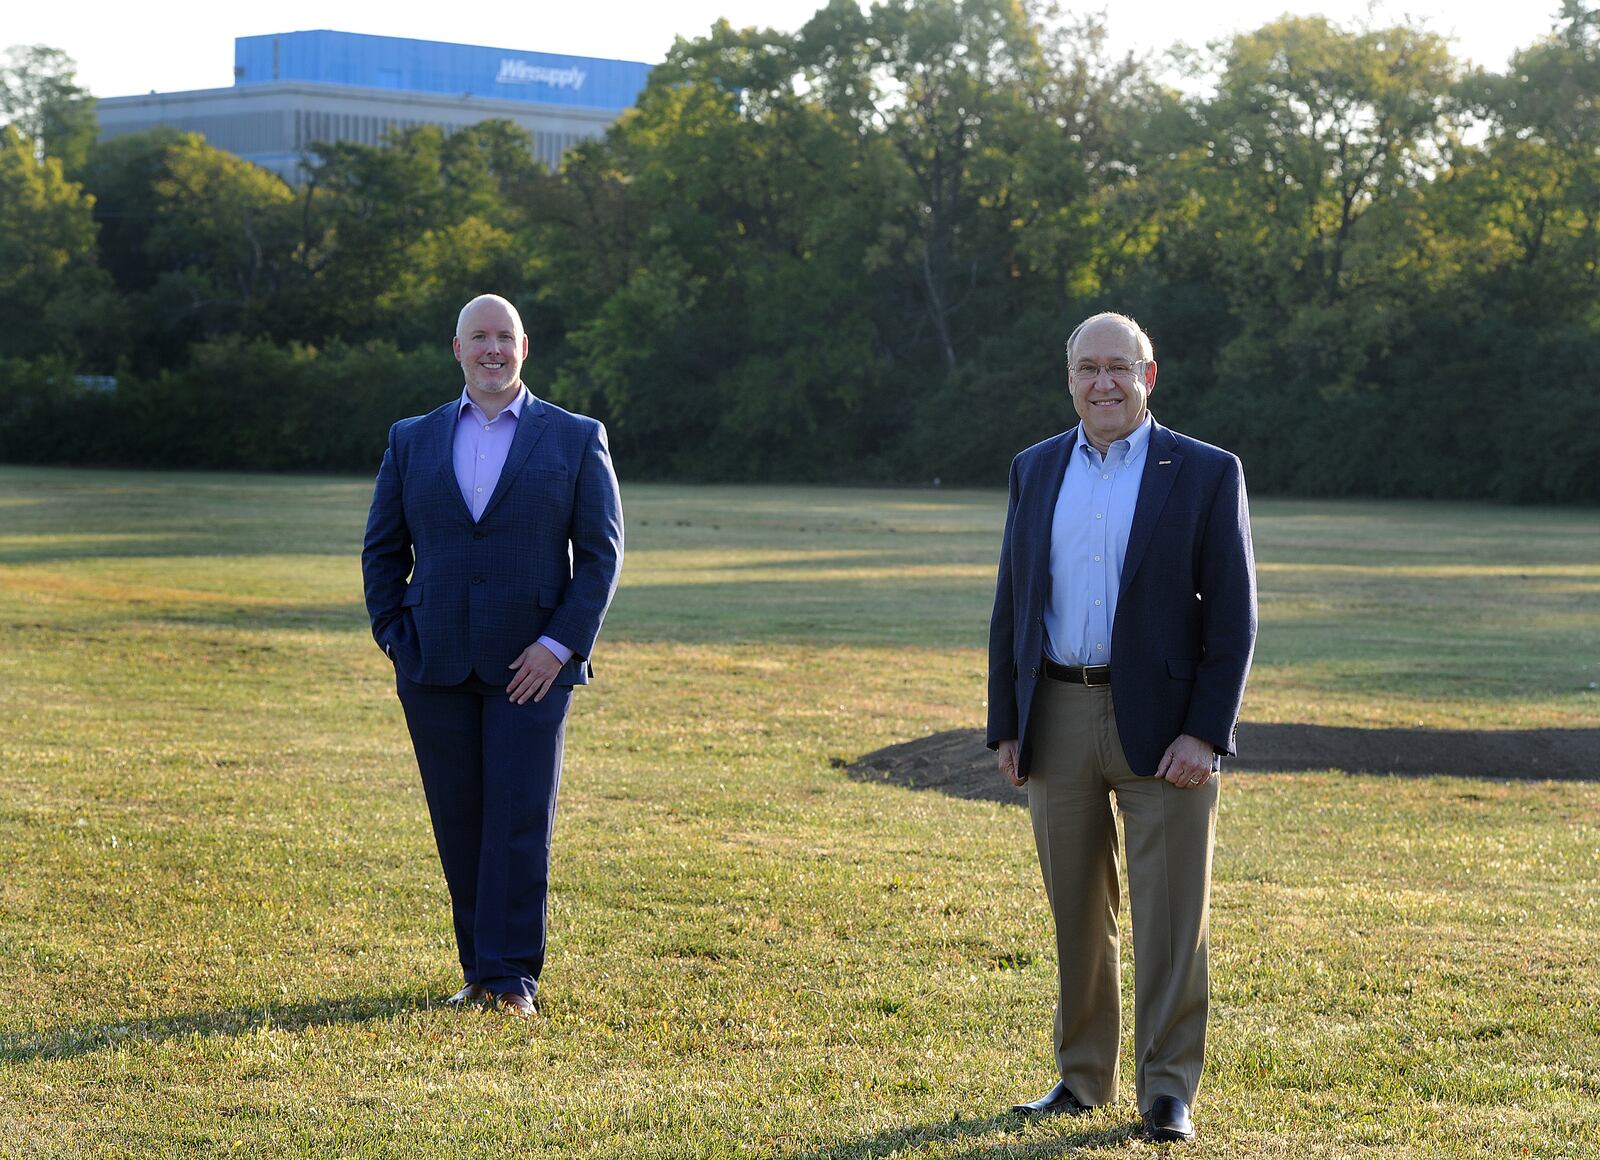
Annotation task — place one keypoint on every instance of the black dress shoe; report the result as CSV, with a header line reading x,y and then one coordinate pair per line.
x,y
467,996
1058,1101
1168,1122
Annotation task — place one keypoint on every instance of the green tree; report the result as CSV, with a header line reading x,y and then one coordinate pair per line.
x,y
41,99
717,320
218,234
1523,208
808,232
122,173
1314,158
958,90
198,240
1314,133
46,254
390,239
490,173
358,214
1535,180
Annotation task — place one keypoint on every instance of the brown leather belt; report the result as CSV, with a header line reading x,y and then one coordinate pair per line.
x,y
1078,674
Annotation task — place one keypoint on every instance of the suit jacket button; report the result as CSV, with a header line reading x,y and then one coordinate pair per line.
x,y
477,535
1034,672
477,579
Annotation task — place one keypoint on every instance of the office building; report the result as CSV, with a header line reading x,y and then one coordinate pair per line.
x,y
292,90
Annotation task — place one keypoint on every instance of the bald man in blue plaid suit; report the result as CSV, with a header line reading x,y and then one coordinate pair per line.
x,y
492,552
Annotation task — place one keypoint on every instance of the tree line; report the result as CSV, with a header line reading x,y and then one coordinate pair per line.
x,y
854,252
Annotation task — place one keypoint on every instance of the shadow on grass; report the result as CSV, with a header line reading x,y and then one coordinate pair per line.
x,y
1055,1137
88,1038
957,763
106,621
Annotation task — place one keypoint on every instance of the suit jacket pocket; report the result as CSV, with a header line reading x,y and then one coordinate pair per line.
x,y
413,597
554,475
1180,670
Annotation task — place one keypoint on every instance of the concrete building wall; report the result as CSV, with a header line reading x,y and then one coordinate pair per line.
x,y
275,124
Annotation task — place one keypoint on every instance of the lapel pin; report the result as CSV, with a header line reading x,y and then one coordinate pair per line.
x,y
1163,463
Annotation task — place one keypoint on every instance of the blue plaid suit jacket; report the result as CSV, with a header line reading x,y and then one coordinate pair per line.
x,y
449,598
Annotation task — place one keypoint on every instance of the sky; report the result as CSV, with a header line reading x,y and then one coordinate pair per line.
x,y
124,48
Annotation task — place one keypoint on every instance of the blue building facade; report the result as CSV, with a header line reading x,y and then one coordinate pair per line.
x,y
295,92
422,66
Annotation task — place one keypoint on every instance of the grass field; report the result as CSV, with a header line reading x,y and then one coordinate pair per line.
x,y
223,928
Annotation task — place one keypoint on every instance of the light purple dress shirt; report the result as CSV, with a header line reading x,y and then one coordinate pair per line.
x,y
1088,539
480,450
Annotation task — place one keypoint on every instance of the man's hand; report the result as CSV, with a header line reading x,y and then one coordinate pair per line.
x,y
536,668
1007,753
1187,763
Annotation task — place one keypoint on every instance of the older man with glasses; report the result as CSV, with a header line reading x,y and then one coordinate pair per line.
x,y
1124,622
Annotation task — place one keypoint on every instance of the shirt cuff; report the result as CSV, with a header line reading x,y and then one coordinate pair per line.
x,y
563,653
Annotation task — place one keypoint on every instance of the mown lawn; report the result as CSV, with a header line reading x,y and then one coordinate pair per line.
x,y
223,928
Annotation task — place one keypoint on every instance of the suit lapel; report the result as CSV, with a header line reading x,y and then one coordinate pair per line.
x,y
530,426
441,443
1161,464
1052,471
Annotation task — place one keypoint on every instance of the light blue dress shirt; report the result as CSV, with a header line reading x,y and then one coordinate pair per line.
x,y
1088,539
480,450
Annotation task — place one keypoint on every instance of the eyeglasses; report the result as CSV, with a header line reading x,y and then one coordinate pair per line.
x,y
1120,372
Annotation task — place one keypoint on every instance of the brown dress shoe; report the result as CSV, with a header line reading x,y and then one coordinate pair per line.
x,y
469,995
515,1004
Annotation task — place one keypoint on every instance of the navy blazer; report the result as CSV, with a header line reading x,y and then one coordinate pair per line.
x,y
1185,626
542,560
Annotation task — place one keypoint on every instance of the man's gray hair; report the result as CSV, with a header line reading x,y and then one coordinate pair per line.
x,y
1147,352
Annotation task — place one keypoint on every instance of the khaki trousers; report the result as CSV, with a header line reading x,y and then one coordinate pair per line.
x,y
1076,767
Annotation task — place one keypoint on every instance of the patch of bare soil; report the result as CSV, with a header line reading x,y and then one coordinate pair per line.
x,y
957,763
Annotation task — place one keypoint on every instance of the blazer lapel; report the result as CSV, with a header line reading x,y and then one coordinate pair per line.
x,y
1052,471
530,426
441,445
1161,464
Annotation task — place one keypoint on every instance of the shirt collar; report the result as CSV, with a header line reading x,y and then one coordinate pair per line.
x,y
1136,441
515,406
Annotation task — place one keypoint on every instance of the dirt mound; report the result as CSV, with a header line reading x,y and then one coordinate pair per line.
x,y
957,763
